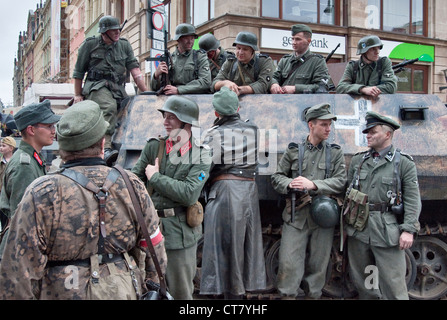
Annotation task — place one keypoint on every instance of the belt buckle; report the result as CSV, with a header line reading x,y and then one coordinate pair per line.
x,y
165,213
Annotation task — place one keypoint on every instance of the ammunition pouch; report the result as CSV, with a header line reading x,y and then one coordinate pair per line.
x,y
194,215
356,209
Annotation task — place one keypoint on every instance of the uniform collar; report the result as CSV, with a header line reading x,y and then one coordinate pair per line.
x,y
183,150
311,147
387,153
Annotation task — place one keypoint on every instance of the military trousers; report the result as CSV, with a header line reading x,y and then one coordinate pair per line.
x,y
180,272
109,107
296,264
377,272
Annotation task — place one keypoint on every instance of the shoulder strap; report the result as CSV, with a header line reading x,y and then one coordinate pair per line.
x,y
300,159
396,178
143,227
160,157
328,160
196,65
355,71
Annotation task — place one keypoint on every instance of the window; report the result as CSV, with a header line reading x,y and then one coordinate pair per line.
x,y
403,16
413,79
199,11
306,11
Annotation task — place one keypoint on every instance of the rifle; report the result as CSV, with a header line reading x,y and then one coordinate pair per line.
x,y
122,26
332,53
166,57
400,67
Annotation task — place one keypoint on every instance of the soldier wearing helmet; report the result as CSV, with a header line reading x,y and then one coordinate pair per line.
x,y
174,169
317,169
301,71
248,72
216,55
190,71
107,60
371,75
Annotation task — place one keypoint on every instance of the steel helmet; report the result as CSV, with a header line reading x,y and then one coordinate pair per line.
x,y
247,39
325,211
185,109
208,42
367,43
185,29
108,23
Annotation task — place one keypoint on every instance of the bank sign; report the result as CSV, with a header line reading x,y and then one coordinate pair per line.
x,y
321,43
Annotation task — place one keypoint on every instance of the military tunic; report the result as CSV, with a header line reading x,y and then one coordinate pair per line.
x,y
178,184
189,76
382,231
296,235
216,65
307,78
368,76
260,65
58,221
233,256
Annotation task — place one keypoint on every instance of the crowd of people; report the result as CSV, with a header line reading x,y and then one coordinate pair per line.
x,y
74,233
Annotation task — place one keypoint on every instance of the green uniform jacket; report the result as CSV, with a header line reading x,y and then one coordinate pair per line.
x,y
261,85
223,55
179,183
107,63
307,77
382,230
368,76
182,73
314,168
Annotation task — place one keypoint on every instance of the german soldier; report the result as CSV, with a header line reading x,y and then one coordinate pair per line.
x,y
190,71
36,125
301,71
80,244
317,169
106,60
216,56
372,75
175,169
248,72
384,184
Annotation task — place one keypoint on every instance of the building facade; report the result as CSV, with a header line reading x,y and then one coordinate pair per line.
x,y
409,29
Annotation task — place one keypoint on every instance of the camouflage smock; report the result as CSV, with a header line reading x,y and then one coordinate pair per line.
x,y
58,220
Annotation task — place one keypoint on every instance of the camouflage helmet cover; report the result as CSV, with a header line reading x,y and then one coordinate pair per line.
x,y
367,43
185,29
208,42
247,39
325,211
185,109
108,23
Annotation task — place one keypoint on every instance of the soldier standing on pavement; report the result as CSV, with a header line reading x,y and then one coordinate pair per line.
x,y
7,148
319,168
232,259
372,75
216,56
74,244
175,169
106,60
190,71
384,182
248,72
301,71
36,125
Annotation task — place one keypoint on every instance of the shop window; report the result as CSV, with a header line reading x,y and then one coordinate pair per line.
x,y
403,16
306,11
413,79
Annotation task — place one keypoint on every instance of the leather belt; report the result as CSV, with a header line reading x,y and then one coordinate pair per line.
x,y
106,258
163,213
229,176
382,207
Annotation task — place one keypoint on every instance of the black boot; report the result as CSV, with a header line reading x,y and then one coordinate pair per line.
x,y
110,156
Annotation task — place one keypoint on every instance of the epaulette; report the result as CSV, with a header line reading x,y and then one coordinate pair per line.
x,y
335,146
25,158
407,155
152,138
361,152
264,55
293,145
231,57
90,38
247,120
124,39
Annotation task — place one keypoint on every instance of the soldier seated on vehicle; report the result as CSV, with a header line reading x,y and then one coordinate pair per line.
x,y
371,75
249,72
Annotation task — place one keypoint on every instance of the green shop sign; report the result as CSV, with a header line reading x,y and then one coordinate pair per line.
x,y
408,51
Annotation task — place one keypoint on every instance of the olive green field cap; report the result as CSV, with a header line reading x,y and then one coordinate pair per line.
x,y
225,102
367,43
107,23
81,126
185,109
373,119
297,28
208,42
185,29
35,113
320,112
246,38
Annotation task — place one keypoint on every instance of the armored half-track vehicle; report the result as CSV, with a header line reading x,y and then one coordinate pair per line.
x,y
423,135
